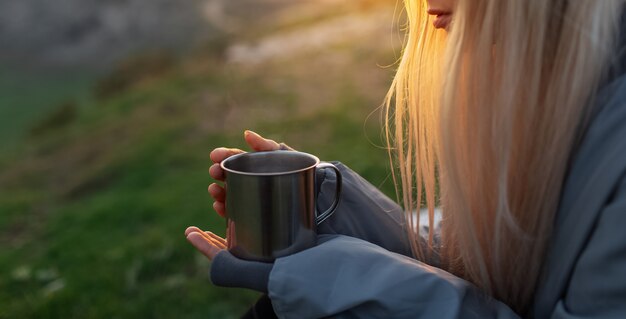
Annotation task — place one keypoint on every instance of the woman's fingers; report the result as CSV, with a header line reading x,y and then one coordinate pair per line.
x,y
217,156
217,192
220,208
216,172
210,236
221,153
204,245
192,229
217,239
258,143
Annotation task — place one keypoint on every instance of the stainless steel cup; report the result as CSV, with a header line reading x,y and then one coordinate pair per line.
x,y
270,203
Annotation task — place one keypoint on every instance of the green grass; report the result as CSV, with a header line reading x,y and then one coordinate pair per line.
x,y
25,95
92,212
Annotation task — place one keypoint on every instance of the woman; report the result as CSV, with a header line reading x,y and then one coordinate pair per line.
x,y
524,130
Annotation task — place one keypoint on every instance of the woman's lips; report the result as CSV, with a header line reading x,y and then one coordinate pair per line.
x,y
442,19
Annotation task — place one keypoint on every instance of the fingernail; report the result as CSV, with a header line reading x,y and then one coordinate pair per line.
x,y
191,235
193,239
248,132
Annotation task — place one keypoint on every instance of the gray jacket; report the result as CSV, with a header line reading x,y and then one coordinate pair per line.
x,y
370,273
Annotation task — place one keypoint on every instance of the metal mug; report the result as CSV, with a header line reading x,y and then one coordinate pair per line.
x,y
271,203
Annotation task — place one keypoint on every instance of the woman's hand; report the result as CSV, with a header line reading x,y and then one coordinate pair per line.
x,y
206,242
226,269
257,143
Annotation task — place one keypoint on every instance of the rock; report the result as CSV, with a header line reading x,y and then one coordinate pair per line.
x,y
97,31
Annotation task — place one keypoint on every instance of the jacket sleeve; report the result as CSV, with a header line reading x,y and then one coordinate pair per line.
x,y
597,287
349,277
364,211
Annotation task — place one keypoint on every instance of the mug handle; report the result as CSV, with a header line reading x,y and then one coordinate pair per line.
x,y
320,218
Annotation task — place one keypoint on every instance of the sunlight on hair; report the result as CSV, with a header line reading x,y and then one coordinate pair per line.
x,y
495,132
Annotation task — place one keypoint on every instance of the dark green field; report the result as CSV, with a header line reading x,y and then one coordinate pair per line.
x,y
26,95
97,189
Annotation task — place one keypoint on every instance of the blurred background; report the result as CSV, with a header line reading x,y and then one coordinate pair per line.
x,y
108,112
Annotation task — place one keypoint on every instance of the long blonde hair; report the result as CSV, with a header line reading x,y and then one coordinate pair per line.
x,y
486,129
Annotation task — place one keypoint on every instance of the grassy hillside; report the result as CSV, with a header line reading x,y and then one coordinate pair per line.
x,y
27,95
94,201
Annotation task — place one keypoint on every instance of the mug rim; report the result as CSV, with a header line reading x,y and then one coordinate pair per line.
x,y
230,170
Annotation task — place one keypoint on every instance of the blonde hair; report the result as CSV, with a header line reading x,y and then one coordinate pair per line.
x,y
489,127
